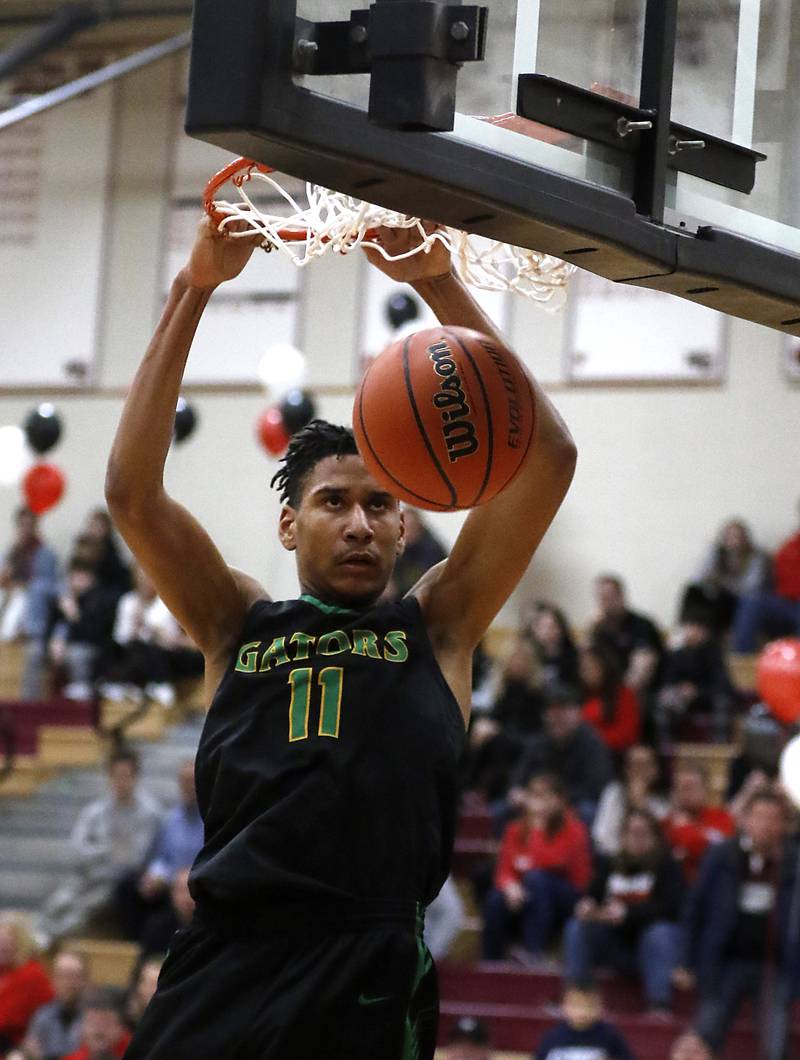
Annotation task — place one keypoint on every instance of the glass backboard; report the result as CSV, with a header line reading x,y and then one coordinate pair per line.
x,y
704,204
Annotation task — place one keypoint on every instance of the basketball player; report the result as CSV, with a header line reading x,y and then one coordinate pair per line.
x,y
326,772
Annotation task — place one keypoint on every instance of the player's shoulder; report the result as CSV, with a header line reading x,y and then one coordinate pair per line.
x,y
250,589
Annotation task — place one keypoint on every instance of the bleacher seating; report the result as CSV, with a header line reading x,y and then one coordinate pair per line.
x,y
12,661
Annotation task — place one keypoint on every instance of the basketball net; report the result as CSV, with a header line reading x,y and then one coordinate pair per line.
x,y
333,222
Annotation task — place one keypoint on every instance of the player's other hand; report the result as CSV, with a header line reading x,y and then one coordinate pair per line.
x,y
417,267
217,257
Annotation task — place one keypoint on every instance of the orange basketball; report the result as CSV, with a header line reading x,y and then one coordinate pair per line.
x,y
443,418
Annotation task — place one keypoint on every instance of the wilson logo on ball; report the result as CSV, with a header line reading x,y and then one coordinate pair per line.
x,y
436,396
450,400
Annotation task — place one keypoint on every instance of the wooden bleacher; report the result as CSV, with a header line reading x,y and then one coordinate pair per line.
x,y
12,663
110,961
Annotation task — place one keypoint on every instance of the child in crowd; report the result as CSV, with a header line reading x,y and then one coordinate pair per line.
x,y
582,1033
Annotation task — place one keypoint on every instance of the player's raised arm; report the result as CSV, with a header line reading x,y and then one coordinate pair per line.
x,y
462,595
205,595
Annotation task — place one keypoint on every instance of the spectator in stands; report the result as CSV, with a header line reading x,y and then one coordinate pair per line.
x,y
139,894
692,825
444,920
24,983
82,635
571,749
468,1040
628,920
143,990
639,789
545,864
609,705
103,1034
55,1029
112,571
761,740
513,711
734,566
423,550
160,927
28,587
151,649
741,930
696,687
111,837
689,1046
631,636
549,632
582,1033
517,703
775,613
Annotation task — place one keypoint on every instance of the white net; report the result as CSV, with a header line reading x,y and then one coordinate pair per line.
x,y
331,222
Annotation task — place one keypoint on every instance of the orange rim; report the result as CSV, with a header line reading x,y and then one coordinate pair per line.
x,y
238,172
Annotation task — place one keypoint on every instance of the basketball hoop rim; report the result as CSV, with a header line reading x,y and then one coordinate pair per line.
x,y
239,172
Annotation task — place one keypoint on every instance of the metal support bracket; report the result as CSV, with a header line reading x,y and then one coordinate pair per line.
x,y
412,49
624,127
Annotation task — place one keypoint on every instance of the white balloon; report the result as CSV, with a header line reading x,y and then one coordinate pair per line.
x,y
790,770
283,367
15,456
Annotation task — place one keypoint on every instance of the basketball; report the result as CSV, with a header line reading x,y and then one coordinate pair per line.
x,y
444,418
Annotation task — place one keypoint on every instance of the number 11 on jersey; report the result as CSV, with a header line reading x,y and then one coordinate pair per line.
x,y
330,681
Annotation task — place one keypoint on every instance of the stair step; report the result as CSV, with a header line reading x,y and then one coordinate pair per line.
x,y
70,745
520,1027
499,982
150,726
27,775
110,962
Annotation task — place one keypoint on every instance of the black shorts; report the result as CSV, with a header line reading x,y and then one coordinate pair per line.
x,y
302,986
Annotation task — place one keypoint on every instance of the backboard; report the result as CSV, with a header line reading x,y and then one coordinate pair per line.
x,y
652,142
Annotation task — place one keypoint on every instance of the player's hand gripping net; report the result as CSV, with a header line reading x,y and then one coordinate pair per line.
x,y
334,222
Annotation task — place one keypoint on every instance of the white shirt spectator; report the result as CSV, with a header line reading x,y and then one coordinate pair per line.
x,y
146,620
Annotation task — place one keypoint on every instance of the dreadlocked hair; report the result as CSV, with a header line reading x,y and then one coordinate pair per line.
x,y
307,447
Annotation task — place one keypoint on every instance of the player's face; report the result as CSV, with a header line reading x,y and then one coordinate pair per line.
x,y
347,532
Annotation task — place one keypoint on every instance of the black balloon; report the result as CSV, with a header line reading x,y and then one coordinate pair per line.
x,y
185,420
42,428
297,409
400,308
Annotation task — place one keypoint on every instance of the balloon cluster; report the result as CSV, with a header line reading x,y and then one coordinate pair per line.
x,y
42,483
281,371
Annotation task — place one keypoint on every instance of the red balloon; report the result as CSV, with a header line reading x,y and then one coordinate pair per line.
x,y
43,487
272,431
779,678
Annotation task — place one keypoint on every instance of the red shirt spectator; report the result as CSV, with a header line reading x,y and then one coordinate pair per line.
x,y
690,837
692,825
609,705
786,569
24,983
621,730
565,851
104,1034
85,1053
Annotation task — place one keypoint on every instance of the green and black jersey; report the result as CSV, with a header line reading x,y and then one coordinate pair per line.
x,y
327,768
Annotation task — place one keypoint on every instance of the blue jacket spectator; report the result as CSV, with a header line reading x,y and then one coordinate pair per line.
x,y
739,926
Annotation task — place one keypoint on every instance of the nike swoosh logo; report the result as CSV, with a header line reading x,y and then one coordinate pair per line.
x,y
364,1000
